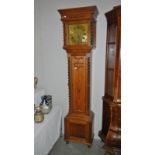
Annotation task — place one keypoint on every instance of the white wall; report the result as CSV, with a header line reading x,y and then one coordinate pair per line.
x,y
51,61
38,54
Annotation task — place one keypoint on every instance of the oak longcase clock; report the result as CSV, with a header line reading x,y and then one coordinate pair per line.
x,y
79,26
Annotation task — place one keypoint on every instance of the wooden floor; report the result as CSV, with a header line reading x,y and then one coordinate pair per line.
x,y
61,148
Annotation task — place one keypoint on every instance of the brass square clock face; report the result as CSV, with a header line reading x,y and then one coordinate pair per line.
x,y
78,34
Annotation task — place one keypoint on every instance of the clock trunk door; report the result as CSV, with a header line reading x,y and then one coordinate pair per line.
x,y
78,84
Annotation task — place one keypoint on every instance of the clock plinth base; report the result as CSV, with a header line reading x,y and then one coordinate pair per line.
x,y
79,128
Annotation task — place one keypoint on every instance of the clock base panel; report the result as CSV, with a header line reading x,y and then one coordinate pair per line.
x,y
79,128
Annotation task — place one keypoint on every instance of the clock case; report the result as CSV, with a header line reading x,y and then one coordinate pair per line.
x,y
79,120
111,116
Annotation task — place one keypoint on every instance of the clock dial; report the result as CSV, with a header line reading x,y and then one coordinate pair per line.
x,y
78,34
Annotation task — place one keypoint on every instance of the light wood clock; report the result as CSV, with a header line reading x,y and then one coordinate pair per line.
x,y
79,26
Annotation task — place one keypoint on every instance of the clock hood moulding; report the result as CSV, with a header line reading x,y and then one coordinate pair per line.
x,y
82,13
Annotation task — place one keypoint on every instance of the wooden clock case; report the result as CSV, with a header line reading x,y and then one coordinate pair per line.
x,y
79,24
111,117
